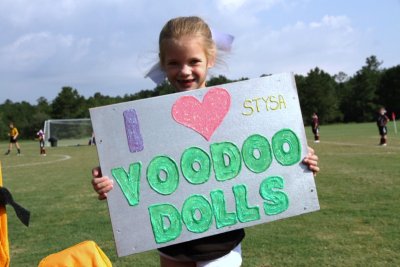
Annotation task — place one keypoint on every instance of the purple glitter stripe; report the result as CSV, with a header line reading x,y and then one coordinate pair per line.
x,y
135,140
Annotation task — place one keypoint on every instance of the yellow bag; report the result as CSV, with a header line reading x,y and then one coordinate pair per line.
x,y
4,246
85,254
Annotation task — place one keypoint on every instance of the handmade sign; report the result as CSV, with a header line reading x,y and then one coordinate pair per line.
x,y
203,162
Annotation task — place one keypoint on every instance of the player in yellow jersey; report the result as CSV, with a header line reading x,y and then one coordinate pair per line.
x,y
13,139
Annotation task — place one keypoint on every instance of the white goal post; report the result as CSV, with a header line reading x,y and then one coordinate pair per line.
x,y
67,132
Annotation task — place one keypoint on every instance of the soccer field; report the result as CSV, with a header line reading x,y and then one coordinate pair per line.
x,y
358,189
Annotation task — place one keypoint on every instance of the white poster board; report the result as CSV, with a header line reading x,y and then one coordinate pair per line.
x,y
198,163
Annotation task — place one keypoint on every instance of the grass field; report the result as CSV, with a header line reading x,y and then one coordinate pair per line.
x,y
358,189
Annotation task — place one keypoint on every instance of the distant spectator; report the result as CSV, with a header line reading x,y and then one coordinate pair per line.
x,y
381,121
13,134
315,127
41,137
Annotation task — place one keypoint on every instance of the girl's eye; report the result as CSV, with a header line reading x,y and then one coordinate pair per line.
x,y
195,61
172,63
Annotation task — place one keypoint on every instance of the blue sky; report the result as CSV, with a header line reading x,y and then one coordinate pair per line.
x,y
107,46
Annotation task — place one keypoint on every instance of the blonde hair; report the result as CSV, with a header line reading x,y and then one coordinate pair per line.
x,y
187,26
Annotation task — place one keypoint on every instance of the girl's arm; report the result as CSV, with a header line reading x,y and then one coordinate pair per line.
x,y
101,184
311,160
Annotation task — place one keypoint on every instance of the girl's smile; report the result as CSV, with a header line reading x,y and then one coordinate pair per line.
x,y
186,63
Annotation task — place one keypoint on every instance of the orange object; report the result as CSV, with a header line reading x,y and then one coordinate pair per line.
x,y
4,246
86,254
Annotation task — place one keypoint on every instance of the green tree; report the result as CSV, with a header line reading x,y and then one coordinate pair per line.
x,y
69,105
164,89
389,89
21,113
361,103
217,80
342,92
317,94
3,125
41,114
101,100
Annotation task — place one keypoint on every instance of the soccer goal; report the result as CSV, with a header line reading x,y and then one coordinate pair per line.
x,y
68,132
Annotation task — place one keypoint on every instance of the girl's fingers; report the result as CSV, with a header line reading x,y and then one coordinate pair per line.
x,y
102,185
102,196
314,169
311,160
96,172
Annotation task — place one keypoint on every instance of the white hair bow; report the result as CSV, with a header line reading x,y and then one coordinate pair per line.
x,y
223,41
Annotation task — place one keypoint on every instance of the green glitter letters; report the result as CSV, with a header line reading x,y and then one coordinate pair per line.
x,y
226,160
195,155
158,214
197,203
129,182
276,201
258,143
198,213
291,155
165,165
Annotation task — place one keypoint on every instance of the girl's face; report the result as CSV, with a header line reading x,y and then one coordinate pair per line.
x,y
186,63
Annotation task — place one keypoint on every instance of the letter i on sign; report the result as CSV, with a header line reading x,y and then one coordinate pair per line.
x,y
135,140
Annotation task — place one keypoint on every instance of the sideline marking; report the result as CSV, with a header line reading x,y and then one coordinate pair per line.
x,y
63,157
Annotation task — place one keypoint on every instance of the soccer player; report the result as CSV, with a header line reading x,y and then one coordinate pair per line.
x,y
40,135
381,122
315,127
13,134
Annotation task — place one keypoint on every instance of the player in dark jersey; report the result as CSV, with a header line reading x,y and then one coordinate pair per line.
x,y
315,127
381,122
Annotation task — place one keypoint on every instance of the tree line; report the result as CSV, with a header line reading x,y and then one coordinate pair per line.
x,y
336,98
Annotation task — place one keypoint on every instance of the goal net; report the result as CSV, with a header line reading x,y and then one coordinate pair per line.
x,y
68,132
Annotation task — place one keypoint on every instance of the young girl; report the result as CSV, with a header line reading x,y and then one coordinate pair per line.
x,y
186,52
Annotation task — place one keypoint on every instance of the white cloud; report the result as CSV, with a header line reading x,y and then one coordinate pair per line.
x,y
22,13
32,50
246,6
299,47
230,4
334,22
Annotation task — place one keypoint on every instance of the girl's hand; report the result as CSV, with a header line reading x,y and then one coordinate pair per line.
x,y
101,184
311,160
